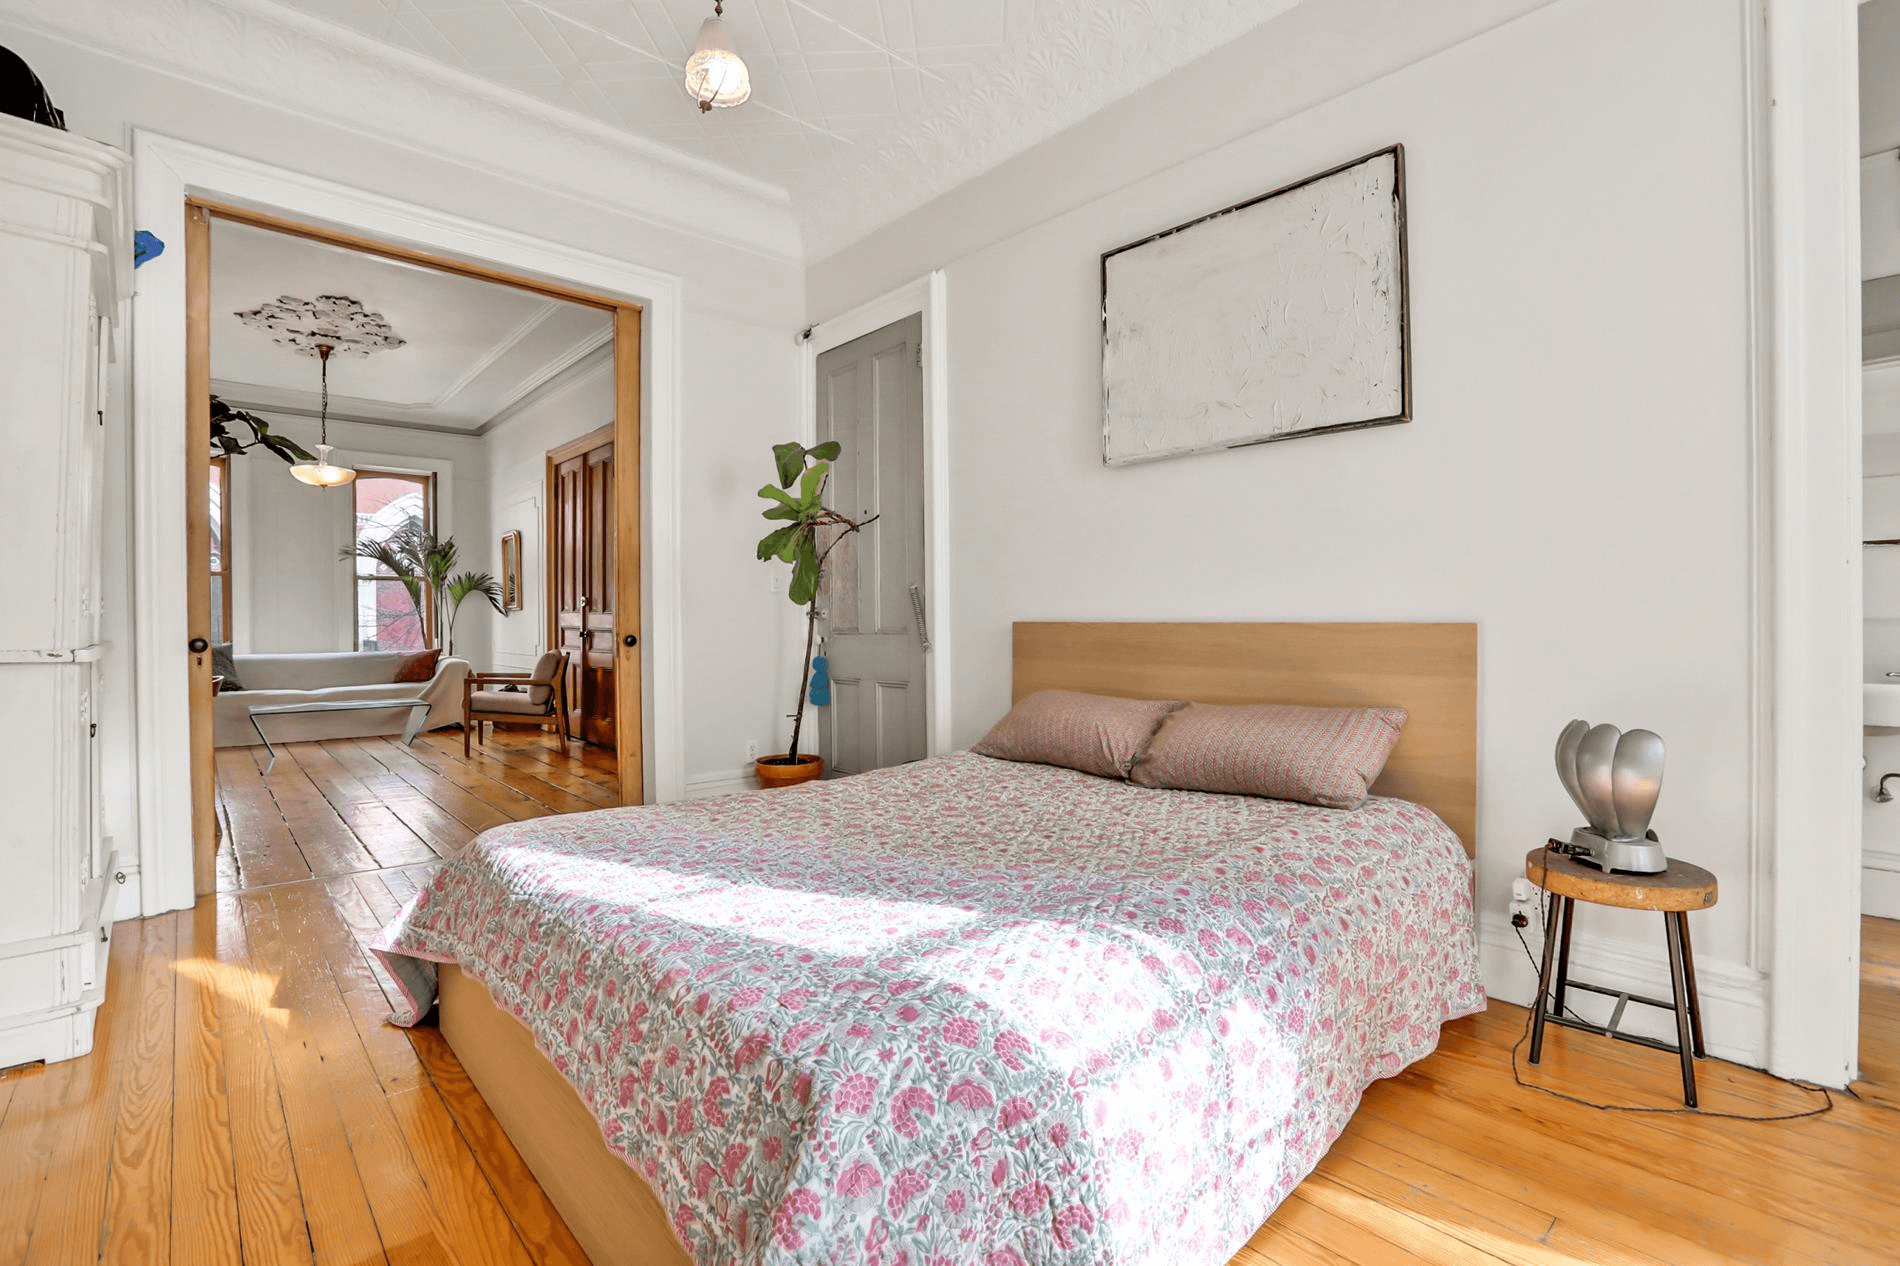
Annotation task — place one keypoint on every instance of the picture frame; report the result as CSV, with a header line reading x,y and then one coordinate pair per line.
x,y
511,597
1282,316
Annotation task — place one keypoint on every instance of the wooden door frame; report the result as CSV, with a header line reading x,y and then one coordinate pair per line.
x,y
625,431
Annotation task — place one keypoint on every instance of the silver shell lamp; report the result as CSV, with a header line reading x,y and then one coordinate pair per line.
x,y
1615,779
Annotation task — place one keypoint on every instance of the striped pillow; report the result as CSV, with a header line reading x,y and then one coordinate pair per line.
x,y
1323,756
1097,734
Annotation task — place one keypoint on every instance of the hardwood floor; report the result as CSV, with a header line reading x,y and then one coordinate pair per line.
x,y
351,806
1879,1011
245,1101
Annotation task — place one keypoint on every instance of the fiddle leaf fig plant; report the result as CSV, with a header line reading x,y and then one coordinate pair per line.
x,y
228,440
804,516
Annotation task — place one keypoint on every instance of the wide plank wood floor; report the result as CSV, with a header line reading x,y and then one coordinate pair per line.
x,y
352,806
245,1101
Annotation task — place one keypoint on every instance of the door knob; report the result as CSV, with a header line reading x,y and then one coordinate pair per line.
x,y
197,646
630,640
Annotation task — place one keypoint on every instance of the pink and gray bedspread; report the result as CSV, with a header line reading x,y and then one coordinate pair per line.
x,y
964,1011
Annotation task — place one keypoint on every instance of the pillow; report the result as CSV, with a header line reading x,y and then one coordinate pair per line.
x,y
419,667
1323,756
1096,734
224,664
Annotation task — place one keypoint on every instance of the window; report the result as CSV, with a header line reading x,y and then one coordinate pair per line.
x,y
386,503
220,549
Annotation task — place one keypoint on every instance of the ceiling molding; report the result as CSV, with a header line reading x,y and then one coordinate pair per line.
x,y
278,57
558,379
480,364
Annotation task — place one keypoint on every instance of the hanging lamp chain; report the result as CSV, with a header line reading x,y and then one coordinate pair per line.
x,y
323,407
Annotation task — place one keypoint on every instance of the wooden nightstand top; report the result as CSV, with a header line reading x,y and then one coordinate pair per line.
x,y
1684,886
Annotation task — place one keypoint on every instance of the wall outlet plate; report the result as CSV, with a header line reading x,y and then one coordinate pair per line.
x,y
752,749
1523,890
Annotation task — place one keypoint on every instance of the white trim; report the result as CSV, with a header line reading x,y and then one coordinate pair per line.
x,y
1880,884
720,783
166,172
1807,331
1733,995
269,54
927,296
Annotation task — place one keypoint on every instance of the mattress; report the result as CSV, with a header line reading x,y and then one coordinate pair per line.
x,y
963,1010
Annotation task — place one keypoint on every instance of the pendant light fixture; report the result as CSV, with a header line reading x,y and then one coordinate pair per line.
x,y
323,473
715,75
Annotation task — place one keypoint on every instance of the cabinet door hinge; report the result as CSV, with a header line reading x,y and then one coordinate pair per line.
x,y
920,356
92,731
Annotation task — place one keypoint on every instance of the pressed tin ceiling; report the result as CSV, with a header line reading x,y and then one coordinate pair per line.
x,y
861,109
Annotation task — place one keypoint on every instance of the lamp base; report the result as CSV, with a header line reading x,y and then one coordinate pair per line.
x,y
1635,857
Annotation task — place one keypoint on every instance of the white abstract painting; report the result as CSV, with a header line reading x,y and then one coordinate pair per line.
x,y
1283,316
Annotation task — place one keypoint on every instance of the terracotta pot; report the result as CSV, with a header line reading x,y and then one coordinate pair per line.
x,y
779,775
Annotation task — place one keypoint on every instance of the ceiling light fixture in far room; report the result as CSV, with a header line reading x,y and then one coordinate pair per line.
x,y
321,327
323,473
715,74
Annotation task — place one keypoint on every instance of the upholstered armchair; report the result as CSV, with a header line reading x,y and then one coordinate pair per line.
x,y
541,698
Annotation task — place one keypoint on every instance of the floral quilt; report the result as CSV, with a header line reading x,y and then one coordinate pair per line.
x,y
964,1010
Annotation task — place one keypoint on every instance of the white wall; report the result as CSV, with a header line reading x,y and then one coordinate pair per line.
x,y
734,294
290,590
1575,480
740,642
516,454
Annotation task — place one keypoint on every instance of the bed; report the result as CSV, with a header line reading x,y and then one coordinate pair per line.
x,y
969,1010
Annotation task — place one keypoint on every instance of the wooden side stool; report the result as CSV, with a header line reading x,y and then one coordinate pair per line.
x,y
1673,893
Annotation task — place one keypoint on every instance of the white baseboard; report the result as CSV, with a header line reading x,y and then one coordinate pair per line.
x,y
720,783
1880,883
64,1035
1733,995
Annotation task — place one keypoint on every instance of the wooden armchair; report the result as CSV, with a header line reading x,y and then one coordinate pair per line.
x,y
541,701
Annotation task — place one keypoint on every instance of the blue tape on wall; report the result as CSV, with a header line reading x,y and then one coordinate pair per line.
x,y
145,246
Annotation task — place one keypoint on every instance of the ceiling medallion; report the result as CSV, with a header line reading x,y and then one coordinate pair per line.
x,y
715,75
336,322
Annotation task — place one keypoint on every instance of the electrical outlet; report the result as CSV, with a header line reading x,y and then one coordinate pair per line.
x,y
1525,911
1523,890
752,749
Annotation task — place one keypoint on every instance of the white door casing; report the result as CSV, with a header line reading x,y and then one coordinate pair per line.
x,y
927,297
168,171
870,399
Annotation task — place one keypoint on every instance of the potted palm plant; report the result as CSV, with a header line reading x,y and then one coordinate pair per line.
x,y
810,531
426,568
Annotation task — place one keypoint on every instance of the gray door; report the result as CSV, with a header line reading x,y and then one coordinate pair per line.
x,y
870,399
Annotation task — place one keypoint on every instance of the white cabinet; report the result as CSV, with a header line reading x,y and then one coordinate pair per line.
x,y
65,266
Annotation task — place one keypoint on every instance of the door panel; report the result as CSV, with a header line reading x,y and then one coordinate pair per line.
x,y
581,562
870,398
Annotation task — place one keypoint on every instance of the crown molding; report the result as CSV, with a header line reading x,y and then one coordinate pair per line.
x,y
275,56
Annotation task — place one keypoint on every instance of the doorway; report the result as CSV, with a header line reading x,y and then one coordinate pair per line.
x,y
615,638
1879,149
580,570
875,620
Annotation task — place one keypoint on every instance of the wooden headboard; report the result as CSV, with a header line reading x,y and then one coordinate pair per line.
x,y
1430,670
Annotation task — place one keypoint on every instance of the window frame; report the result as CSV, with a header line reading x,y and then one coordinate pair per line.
x,y
429,483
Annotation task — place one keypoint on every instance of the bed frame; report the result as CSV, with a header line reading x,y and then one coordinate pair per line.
x,y
1431,670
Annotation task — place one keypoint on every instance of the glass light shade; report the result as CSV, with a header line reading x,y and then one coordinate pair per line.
x,y
322,473
715,75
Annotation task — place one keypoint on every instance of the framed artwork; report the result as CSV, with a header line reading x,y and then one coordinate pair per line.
x,y
1278,317
511,571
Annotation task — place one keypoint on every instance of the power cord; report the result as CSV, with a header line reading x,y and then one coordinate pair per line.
x,y
1543,920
